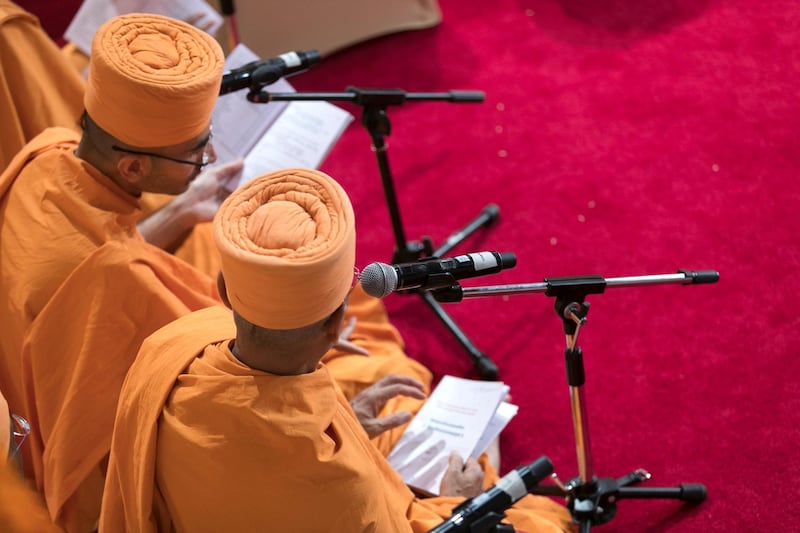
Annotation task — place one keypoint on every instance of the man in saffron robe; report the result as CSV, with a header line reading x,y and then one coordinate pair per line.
x,y
229,422
69,201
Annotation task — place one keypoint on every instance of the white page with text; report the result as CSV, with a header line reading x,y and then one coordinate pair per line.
x,y
455,417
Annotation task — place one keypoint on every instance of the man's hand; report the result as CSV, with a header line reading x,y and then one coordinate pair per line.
x,y
343,342
369,402
207,192
202,20
462,479
168,227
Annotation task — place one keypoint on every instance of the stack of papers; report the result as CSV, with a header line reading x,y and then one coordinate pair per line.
x,y
460,414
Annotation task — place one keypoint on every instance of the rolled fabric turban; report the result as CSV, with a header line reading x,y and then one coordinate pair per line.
x,y
287,247
153,81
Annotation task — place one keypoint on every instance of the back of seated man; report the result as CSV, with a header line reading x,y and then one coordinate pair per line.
x,y
229,422
152,87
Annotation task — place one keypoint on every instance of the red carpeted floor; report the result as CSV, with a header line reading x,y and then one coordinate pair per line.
x,y
618,138
621,139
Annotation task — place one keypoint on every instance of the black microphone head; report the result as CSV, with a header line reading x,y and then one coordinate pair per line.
x,y
310,57
533,473
508,259
378,279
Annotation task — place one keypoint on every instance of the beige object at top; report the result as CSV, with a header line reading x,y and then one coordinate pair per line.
x,y
272,28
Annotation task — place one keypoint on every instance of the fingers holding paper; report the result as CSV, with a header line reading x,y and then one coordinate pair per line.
x,y
343,342
417,454
462,478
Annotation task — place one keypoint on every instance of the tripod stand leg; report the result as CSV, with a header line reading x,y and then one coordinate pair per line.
x,y
485,366
688,492
486,217
377,123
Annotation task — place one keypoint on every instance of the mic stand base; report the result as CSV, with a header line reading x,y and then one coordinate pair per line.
x,y
595,502
592,500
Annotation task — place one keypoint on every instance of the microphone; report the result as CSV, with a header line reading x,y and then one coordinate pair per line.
x,y
266,71
486,509
379,279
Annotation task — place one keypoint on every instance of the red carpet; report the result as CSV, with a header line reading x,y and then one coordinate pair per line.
x,y
618,138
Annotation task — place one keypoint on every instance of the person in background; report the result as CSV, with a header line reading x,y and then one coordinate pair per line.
x,y
21,508
229,421
38,88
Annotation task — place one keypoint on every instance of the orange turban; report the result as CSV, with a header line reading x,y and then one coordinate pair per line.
x,y
287,243
153,81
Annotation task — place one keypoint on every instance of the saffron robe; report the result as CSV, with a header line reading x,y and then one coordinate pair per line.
x,y
55,210
75,358
21,508
79,290
204,443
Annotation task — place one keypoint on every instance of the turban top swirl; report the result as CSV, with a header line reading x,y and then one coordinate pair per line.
x,y
153,81
287,246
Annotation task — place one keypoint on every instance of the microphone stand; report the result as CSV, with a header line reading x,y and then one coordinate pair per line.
x,y
590,500
376,121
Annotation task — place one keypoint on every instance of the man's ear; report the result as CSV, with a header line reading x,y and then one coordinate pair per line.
x,y
333,326
223,290
133,168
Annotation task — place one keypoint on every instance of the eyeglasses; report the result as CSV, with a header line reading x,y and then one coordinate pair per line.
x,y
205,159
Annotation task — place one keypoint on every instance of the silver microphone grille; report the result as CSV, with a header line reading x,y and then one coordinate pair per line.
x,y
378,279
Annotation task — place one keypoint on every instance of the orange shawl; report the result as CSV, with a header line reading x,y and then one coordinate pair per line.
x,y
258,447
204,443
21,508
55,211
75,359
58,214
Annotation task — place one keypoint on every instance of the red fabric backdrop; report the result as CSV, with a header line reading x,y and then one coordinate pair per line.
x,y
619,138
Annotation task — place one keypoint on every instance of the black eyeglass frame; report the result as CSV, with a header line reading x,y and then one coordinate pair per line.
x,y
204,161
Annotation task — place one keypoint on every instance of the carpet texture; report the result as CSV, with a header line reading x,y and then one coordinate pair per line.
x,y
619,139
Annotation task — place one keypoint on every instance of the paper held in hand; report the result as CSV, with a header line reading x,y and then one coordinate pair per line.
x,y
460,414
275,135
